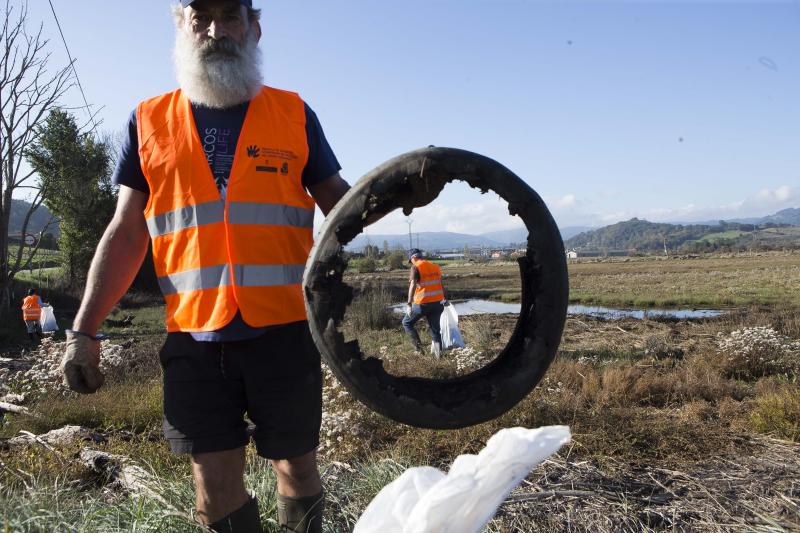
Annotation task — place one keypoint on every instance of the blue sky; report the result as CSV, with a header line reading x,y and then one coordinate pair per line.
x,y
661,110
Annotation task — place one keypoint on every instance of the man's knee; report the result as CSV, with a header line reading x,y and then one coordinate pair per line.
x,y
298,468
219,472
300,473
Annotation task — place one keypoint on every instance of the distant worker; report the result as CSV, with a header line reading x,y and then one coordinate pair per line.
x,y
425,298
32,314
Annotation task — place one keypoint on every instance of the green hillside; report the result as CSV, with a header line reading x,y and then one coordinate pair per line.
x,y
643,236
40,217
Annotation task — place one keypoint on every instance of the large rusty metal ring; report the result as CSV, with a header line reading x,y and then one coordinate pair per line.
x,y
414,180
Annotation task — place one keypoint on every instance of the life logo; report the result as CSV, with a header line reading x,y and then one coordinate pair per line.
x,y
254,152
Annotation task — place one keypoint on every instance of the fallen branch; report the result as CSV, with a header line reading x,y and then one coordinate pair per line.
x,y
16,409
552,494
132,479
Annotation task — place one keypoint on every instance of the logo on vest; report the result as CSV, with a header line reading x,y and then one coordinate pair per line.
x,y
253,151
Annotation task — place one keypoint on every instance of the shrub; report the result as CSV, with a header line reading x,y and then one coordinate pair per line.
x,y
371,309
778,413
478,334
659,347
758,351
367,265
396,260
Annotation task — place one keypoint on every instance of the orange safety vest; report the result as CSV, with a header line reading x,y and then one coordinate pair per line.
x,y
429,287
31,310
248,252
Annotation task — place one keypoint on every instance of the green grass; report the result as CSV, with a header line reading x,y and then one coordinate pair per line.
x,y
722,235
147,321
777,412
134,406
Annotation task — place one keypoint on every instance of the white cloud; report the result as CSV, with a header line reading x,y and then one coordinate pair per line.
x,y
485,215
762,203
490,213
568,200
783,193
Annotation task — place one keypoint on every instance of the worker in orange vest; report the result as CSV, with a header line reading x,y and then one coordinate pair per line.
x,y
32,314
222,177
425,298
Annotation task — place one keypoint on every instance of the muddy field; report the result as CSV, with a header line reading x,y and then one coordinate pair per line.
x,y
742,279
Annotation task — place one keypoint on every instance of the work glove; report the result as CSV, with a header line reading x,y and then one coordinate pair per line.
x,y
445,302
408,310
81,363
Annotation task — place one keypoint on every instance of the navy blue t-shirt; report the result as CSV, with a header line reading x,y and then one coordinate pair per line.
x,y
219,132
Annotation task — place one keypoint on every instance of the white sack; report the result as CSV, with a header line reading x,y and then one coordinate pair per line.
x,y
448,323
48,320
467,498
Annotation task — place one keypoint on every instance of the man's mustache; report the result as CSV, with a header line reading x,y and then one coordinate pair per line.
x,y
219,47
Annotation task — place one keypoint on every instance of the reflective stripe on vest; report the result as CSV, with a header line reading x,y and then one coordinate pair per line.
x,y
248,252
192,216
30,308
429,287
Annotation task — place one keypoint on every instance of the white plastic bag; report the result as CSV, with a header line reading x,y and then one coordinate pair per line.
x,y
48,320
448,322
424,500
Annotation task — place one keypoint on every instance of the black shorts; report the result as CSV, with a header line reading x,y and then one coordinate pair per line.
x,y
209,386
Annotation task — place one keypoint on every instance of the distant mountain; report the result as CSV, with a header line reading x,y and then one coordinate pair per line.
x,y
790,216
39,218
644,236
516,235
427,240
520,235
446,240
571,231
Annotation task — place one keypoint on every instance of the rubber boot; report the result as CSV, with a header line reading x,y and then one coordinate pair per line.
x,y
243,520
415,340
301,515
436,349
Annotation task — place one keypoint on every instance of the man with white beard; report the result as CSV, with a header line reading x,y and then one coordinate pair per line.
x,y
223,174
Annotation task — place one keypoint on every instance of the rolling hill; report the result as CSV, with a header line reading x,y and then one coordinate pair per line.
x,y
644,236
40,217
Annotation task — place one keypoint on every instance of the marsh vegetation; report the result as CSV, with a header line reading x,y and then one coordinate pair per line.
x,y
677,424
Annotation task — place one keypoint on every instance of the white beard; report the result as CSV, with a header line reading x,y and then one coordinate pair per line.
x,y
228,76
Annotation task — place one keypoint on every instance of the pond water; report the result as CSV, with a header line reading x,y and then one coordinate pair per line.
x,y
480,307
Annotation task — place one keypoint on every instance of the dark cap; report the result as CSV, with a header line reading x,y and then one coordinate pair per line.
x,y
187,3
415,252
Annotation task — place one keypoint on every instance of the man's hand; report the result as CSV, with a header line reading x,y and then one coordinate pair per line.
x,y
81,364
445,302
408,310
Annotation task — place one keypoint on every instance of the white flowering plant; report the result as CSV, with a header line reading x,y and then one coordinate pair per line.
x,y
754,352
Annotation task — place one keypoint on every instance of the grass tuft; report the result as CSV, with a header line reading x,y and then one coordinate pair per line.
x,y
371,309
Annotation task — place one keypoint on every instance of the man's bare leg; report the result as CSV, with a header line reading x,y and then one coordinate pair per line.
x,y
219,483
298,477
301,501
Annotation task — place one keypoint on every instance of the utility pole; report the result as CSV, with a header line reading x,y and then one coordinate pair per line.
x,y
410,244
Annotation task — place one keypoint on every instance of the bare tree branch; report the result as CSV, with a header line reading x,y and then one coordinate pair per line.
x,y
29,90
